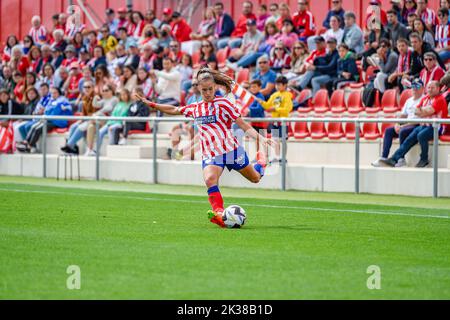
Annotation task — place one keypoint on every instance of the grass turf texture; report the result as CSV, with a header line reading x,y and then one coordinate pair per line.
x,y
151,244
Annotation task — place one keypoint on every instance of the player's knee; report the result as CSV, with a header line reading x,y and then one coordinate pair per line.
x,y
255,179
211,181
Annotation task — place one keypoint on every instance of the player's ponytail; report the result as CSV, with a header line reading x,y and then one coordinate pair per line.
x,y
218,77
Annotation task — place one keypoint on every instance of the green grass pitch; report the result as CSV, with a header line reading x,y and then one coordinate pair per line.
x,y
134,241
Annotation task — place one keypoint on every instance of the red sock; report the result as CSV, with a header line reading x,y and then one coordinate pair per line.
x,y
215,199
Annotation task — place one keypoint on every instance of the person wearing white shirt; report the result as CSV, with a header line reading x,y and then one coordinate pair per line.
x,y
167,83
402,131
335,32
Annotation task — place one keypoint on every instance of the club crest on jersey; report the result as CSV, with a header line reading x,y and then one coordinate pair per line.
x,y
205,120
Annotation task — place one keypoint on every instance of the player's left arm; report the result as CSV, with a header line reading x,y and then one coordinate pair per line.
x,y
248,129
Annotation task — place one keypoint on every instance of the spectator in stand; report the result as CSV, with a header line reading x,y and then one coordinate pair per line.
x,y
388,61
240,28
150,17
28,43
78,130
270,38
7,81
280,58
57,58
167,17
145,83
58,106
19,87
432,70
262,17
34,56
402,131
397,8
325,68
396,29
304,21
248,53
427,15
149,36
442,35
336,11
256,110
46,57
411,18
124,39
18,60
274,13
175,53
417,59
433,105
353,36
37,31
376,34
134,57
265,75
374,11
71,86
87,76
409,7
285,13
186,71
136,28
102,77
98,58
298,56
85,57
167,83
280,105
34,106
137,109
404,64
287,34
347,71
165,36
128,80
114,127
48,75
146,60
335,30
71,56
111,22
11,42
205,31
420,28
308,67
180,28
224,26
207,52
58,40
8,106
445,4
108,41
123,18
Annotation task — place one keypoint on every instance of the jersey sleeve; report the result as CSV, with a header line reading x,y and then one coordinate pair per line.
x,y
187,111
230,110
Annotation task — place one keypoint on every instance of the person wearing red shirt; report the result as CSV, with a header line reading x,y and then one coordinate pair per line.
x,y
72,84
432,70
285,13
241,26
70,56
18,61
374,10
180,28
432,105
304,21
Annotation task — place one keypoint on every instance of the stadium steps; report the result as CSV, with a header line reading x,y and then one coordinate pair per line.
x,y
133,152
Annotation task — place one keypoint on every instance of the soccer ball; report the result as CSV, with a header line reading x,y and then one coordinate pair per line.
x,y
234,217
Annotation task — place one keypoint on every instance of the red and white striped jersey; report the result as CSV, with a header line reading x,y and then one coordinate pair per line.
x,y
37,33
429,16
442,36
214,120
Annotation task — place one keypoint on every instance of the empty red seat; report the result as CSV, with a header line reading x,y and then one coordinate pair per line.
x,y
350,131
301,130
370,131
406,94
354,102
376,104
321,102
318,130
445,137
337,102
243,75
195,58
370,73
335,131
389,101
221,56
305,98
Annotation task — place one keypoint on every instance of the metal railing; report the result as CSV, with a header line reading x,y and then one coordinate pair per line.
x,y
284,122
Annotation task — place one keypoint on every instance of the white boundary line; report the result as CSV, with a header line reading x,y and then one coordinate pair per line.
x,y
389,213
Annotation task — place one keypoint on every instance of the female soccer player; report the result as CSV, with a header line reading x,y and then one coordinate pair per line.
x,y
214,117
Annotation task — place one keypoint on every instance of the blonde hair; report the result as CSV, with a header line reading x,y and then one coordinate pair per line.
x,y
218,77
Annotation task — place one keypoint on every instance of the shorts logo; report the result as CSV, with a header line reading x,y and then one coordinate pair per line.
x,y
205,120
240,160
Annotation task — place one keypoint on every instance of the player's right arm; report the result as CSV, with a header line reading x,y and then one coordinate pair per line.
x,y
164,108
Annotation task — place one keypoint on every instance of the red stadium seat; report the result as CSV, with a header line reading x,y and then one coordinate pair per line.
x,y
370,131
243,75
406,94
370,74
147,130
195,58
384,126
301,130
376,104
221,56
305,96
354,102
183,98
338,102
350,132
335,131
321,102
318,130
389,101
445,137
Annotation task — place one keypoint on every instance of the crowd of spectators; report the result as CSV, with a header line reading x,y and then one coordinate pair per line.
x,y
70,69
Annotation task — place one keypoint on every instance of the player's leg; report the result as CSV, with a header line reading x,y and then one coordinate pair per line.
x,y
211,176
252,172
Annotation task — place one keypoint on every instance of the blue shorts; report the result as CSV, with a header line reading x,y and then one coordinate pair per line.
x,y
234,160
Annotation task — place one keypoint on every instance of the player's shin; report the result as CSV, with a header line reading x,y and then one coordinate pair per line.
x,y
215,199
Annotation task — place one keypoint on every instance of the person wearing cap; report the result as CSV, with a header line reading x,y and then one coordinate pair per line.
x,y
166,16
403,130
57,57
84,57
107,41
123,18
134,56
325,68
304,21
353,36
71,85
433,105
181,30
111,22
71,56
375,11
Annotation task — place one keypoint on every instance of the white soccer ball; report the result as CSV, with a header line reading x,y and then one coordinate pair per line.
x,y
234,216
